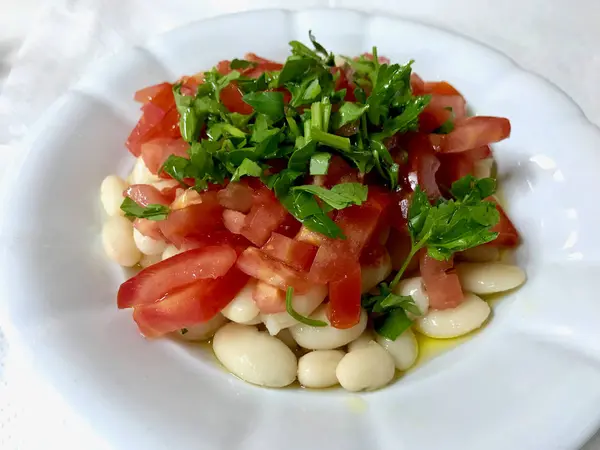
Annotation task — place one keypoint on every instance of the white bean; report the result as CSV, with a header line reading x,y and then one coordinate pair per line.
x,y
286,337
255,356
147,245
362,341
371,276
328,337
317,369
404,350
111,194
483,168
117,239
414,288
366,368
450,323
242,308
201,331
489,278
304,304
148,260
140,174
170,251
482,253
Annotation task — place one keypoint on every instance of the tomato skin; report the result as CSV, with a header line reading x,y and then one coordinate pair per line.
x,y
417,84
196,219
440,88
268,299
441,283
236,196
189,305
276,273
155,152
344,299
218,237
508,235
147,94
155,281
473,132
231,97
234,221
340,172
436,112
423,165
298,255
145,194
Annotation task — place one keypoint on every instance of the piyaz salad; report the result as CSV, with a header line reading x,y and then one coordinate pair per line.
x,y
309,217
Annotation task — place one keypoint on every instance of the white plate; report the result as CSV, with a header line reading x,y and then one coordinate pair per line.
x,y
531,380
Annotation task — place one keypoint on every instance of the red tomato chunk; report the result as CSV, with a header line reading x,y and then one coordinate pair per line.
x,y
153,282
344,299
296,254
441,283
268,299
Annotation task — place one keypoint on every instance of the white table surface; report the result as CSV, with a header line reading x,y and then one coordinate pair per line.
x,y
558,39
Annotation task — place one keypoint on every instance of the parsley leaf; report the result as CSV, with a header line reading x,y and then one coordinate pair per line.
x,y
348,112
392,324
268,103
241,64
150,212
339,196
248,168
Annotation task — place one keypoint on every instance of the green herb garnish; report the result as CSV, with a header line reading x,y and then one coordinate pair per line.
x,y
150,212
289,296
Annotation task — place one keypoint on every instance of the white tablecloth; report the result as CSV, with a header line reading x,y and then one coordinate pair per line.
x,y
45,46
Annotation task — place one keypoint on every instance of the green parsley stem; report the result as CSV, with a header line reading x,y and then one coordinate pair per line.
x,y
289,295
326,113
307,130
339,142
316,114
413,252
293,126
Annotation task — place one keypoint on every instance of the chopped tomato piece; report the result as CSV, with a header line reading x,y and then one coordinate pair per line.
x,y
147,94
344,299
231,96
262,220
218,237
440,88
236,196
153,282
296,254
417,84
440,109
399,246
289,227
156,151
189,305
148,228
398,210
268,299
262,267
508,235
224,67
340,172
145,194
196,219
441,283
422,165
456,165
233,221
473,132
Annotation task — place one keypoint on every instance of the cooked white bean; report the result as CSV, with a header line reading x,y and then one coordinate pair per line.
x,y
201,331
170,251
255,356
111,194
304,304
148,260
317,369
414,288
483,168
450,323
482,253
371,276
404,350
489,278
366,368
326,338
165,184
362,341
242,308
147,245
141,174
117,239
286,337
186,198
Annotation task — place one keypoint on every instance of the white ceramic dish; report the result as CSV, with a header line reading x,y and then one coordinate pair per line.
x,y
529,381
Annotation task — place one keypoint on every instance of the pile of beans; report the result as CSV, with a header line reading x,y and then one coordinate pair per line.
x,y
274,350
